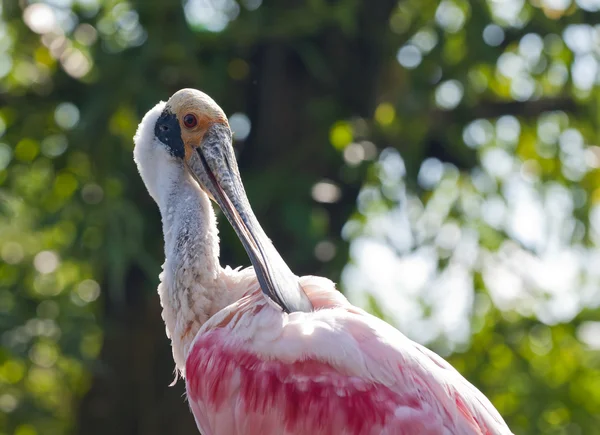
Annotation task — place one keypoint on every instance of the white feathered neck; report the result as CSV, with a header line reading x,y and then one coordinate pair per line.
x,y
191,289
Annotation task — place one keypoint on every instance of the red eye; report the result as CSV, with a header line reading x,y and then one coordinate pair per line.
x,y
190,120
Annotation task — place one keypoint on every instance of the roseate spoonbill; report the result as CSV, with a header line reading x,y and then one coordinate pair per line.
x,y
296,358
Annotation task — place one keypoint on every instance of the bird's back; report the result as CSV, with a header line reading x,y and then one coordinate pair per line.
x,y
255,370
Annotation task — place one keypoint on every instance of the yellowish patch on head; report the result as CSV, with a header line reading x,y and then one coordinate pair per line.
x,y
207,112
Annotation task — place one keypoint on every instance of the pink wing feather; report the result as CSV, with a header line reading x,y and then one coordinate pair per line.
x,y
339,370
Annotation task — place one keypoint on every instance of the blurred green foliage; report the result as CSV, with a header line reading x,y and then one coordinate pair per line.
x,y
492,105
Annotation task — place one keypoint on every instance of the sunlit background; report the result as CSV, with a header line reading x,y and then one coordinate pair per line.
x,y
439,160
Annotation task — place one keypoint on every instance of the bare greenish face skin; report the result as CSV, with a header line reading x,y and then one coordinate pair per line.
x,y
195,129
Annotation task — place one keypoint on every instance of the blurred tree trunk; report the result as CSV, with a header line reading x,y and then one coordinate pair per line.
x,y
332,70
130,393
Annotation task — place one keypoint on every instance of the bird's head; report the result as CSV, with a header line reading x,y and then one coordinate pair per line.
x,y
191,132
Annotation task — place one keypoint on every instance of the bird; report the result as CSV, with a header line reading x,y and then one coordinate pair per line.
x,y
263,351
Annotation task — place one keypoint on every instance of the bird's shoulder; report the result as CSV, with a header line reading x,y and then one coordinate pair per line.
x,y
337,333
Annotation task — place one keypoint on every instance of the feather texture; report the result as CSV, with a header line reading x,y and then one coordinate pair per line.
x,y
253,369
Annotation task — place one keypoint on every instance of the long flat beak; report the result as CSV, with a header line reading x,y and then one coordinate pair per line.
x,y
214,167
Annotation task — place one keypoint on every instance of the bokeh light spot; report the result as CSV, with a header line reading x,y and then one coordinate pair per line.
x,y
325,251
46,262
449,16
26,150
75,63
385,114
88,290
92,193
55,145
66,115
430,173
449,94
340,135
354,154
40,18
425,39
409,56
252,5
493,35
8,403
240,125
5,155
326,191
12,252
25,429
86,34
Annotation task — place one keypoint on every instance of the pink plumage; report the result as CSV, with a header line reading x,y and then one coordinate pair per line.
x,y
328,368
253,369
